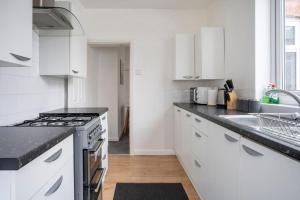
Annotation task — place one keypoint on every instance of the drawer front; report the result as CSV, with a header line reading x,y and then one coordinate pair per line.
x,y
60,186
41,169
199,145
198,176
200,123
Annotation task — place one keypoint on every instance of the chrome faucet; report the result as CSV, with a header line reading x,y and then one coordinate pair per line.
x,y
291,94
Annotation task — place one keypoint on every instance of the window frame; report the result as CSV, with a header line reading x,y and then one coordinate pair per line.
x,y
278,48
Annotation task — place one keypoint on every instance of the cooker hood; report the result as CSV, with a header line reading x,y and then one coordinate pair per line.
x,y
52,18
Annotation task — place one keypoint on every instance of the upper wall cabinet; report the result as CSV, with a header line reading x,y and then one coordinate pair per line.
x,y
210,53
16,33
63,56
184,57
200,56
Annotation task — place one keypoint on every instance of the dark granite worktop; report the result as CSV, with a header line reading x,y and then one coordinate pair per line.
x,y
20,145
88,110
212,114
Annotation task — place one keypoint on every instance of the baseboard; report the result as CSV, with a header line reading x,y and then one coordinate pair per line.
x,y
154,152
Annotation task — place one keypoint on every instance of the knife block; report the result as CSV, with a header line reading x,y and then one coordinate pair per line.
x,y
231,104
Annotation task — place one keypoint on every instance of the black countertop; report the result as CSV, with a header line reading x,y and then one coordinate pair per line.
x,y
20,145
92,110
212,114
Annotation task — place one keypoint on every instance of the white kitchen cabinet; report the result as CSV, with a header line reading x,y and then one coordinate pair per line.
x,y
63,56
223,157
16,33
177,132
265,174
184,56
210,53
60,186
200,56
36,176
78,56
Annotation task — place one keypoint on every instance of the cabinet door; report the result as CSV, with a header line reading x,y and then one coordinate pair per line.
x,y
16,33
177,132
210,53
61,186
223,159
184,57
265,174
186,128
78,56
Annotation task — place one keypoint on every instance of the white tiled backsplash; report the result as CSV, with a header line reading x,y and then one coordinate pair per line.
x,y
24,94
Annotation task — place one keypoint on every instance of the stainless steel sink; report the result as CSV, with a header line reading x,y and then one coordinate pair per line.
x,y
282,126
247,120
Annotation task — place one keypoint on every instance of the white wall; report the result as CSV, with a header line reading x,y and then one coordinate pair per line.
x,y
151,33
238,19
24,94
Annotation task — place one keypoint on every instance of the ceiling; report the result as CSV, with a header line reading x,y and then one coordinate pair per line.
x,y
145,4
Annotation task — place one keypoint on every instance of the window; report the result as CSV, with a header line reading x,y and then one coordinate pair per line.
x,y
290,71
290,35
286,26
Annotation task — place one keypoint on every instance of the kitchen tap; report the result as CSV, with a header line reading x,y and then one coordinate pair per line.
x,y
291,94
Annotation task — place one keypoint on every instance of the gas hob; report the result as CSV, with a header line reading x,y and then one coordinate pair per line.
x,y
58,120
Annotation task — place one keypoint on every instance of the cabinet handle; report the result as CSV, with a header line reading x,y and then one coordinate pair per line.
x,y
178,110
197,163
21,58
198,135
229,138
54,187
104,157
197,77
251,151
188,115
198,120
188,77
54,157
75,71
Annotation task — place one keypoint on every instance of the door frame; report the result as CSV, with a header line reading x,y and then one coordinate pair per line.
x,y
112,43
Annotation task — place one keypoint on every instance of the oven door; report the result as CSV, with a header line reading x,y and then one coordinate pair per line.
x,y
94,191
92,171
92,161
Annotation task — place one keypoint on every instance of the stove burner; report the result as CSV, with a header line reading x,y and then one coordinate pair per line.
x,y
39,124
58,123
75,123
51,118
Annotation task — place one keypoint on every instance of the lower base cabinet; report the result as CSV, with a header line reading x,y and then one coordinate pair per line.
x,y
224,166
59,187
267,175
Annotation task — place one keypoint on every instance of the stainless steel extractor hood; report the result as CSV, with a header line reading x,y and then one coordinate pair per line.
x,y
55,18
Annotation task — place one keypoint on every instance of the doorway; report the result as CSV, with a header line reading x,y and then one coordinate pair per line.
x,y
109,68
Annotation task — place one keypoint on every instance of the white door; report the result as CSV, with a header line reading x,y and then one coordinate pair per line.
x,y
210,53
184,56
223,156
16,33
78,56
186,128
177,132
267,175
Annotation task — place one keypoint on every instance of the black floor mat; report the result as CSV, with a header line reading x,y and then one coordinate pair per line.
x,y
150,191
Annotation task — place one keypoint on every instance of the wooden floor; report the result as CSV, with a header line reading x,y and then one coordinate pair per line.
x,y
145,169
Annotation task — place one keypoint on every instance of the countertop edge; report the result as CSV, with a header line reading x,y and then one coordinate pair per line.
x,y
12,164
248,133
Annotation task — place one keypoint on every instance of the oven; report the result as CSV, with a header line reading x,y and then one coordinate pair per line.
x,y
92,171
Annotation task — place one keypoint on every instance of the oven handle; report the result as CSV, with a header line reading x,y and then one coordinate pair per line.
x,y
97,146
100,180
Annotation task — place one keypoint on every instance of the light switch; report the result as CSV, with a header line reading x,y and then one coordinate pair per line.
x,y
139,72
